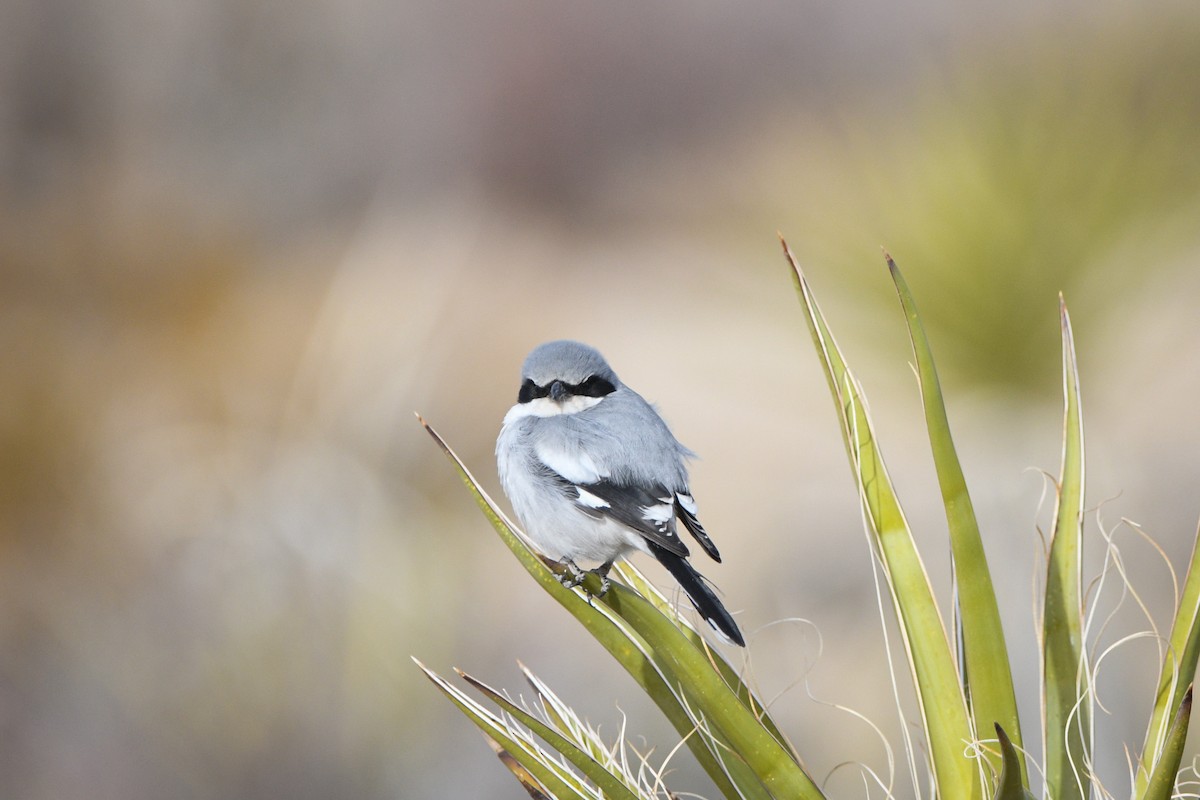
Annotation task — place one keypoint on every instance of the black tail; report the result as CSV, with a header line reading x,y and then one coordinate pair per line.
x,y
699,593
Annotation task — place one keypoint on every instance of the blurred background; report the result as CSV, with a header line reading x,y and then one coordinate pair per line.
x,y
242,242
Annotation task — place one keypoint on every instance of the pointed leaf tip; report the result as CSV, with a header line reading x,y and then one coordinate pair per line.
x,y
440,441
1008,784
1063,314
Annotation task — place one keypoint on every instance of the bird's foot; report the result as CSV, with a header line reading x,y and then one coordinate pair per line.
x,y
573,576
602,572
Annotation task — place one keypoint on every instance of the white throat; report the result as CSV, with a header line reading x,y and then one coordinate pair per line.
x,y
545,407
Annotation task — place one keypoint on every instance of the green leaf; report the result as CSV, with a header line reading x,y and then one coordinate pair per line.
x,y
713,703
1066,676
617,621
741,774
931,661
550,778
612,786
1161,785
1010,785
635,579
990,690
530,784
1178,670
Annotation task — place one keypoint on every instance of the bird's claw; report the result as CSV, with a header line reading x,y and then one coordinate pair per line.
x,y
574,576
602,572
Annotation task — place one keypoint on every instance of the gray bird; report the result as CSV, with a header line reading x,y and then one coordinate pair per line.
x,y
594,473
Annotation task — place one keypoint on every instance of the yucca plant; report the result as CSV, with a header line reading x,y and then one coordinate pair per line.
x,y
973,735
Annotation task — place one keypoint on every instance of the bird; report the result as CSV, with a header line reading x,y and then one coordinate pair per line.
x,y
594,474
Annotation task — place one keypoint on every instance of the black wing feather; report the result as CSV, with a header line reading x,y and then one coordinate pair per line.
x,y
627,505
697,530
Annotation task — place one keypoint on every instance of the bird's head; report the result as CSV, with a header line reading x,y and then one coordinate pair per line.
x,y
564,377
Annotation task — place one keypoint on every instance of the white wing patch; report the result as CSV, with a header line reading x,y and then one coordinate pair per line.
x,y
688,503
573,465
658,514
590,500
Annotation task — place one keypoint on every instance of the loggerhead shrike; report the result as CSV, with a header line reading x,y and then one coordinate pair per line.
x,y
594,473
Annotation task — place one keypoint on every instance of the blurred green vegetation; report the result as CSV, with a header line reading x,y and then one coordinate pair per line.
x,y
1040,174
1067,160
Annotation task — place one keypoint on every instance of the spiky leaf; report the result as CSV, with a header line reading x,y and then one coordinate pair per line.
x,y
1010,783
611,785
931,661
1178,669
989,678
546,776
1065,673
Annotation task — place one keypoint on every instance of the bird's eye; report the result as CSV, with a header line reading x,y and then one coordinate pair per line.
x,y
595,386
531,391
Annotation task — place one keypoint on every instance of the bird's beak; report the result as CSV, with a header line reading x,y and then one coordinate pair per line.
x,y
558,391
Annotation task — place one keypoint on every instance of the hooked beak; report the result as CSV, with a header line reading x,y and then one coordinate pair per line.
x,y
558,391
